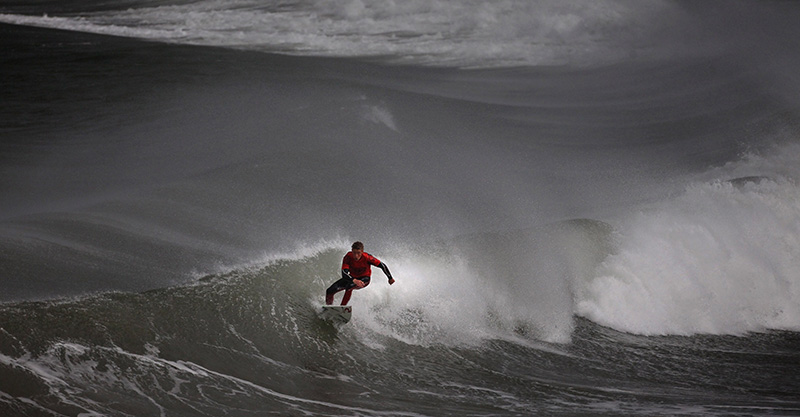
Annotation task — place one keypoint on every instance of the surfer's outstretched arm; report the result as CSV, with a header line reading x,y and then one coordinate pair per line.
x,y
385,270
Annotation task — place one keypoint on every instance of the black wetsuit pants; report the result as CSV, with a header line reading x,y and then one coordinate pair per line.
x,y
343,284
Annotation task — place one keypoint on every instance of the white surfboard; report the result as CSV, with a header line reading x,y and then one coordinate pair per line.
x,y
336,314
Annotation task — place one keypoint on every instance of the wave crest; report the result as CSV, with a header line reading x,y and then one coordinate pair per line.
x,y
721,258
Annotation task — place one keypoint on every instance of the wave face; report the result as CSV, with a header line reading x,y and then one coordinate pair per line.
x,y
248,342
589,207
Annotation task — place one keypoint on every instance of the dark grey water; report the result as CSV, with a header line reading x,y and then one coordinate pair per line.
x,y
589,208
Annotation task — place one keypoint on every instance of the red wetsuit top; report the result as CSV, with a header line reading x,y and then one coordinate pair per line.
x,y
359,268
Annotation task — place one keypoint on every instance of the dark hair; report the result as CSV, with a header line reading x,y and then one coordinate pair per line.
x,y
358,246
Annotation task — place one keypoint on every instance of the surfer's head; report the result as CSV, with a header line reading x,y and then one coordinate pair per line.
x,y
358,249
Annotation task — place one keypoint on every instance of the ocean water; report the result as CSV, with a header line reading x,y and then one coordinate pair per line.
x,y
590,207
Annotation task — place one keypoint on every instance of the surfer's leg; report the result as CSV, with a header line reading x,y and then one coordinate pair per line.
x,y
329,298
337,286
330,292
350,288
346,298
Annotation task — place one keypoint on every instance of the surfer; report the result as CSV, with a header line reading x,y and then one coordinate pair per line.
x,y
356,273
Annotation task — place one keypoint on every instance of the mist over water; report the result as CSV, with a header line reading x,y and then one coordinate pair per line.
x,y
137,177
588,207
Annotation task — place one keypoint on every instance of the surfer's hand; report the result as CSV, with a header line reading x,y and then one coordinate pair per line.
x,y
359,283
391,281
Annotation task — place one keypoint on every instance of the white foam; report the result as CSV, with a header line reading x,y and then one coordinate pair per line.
x,y
467,33
439,298
379,115
82,24
721,258
296,251
429,303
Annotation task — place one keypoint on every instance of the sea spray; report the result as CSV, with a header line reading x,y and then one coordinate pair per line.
x,y
510,285
720,258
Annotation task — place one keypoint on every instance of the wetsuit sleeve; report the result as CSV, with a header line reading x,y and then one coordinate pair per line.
x,y
385,270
